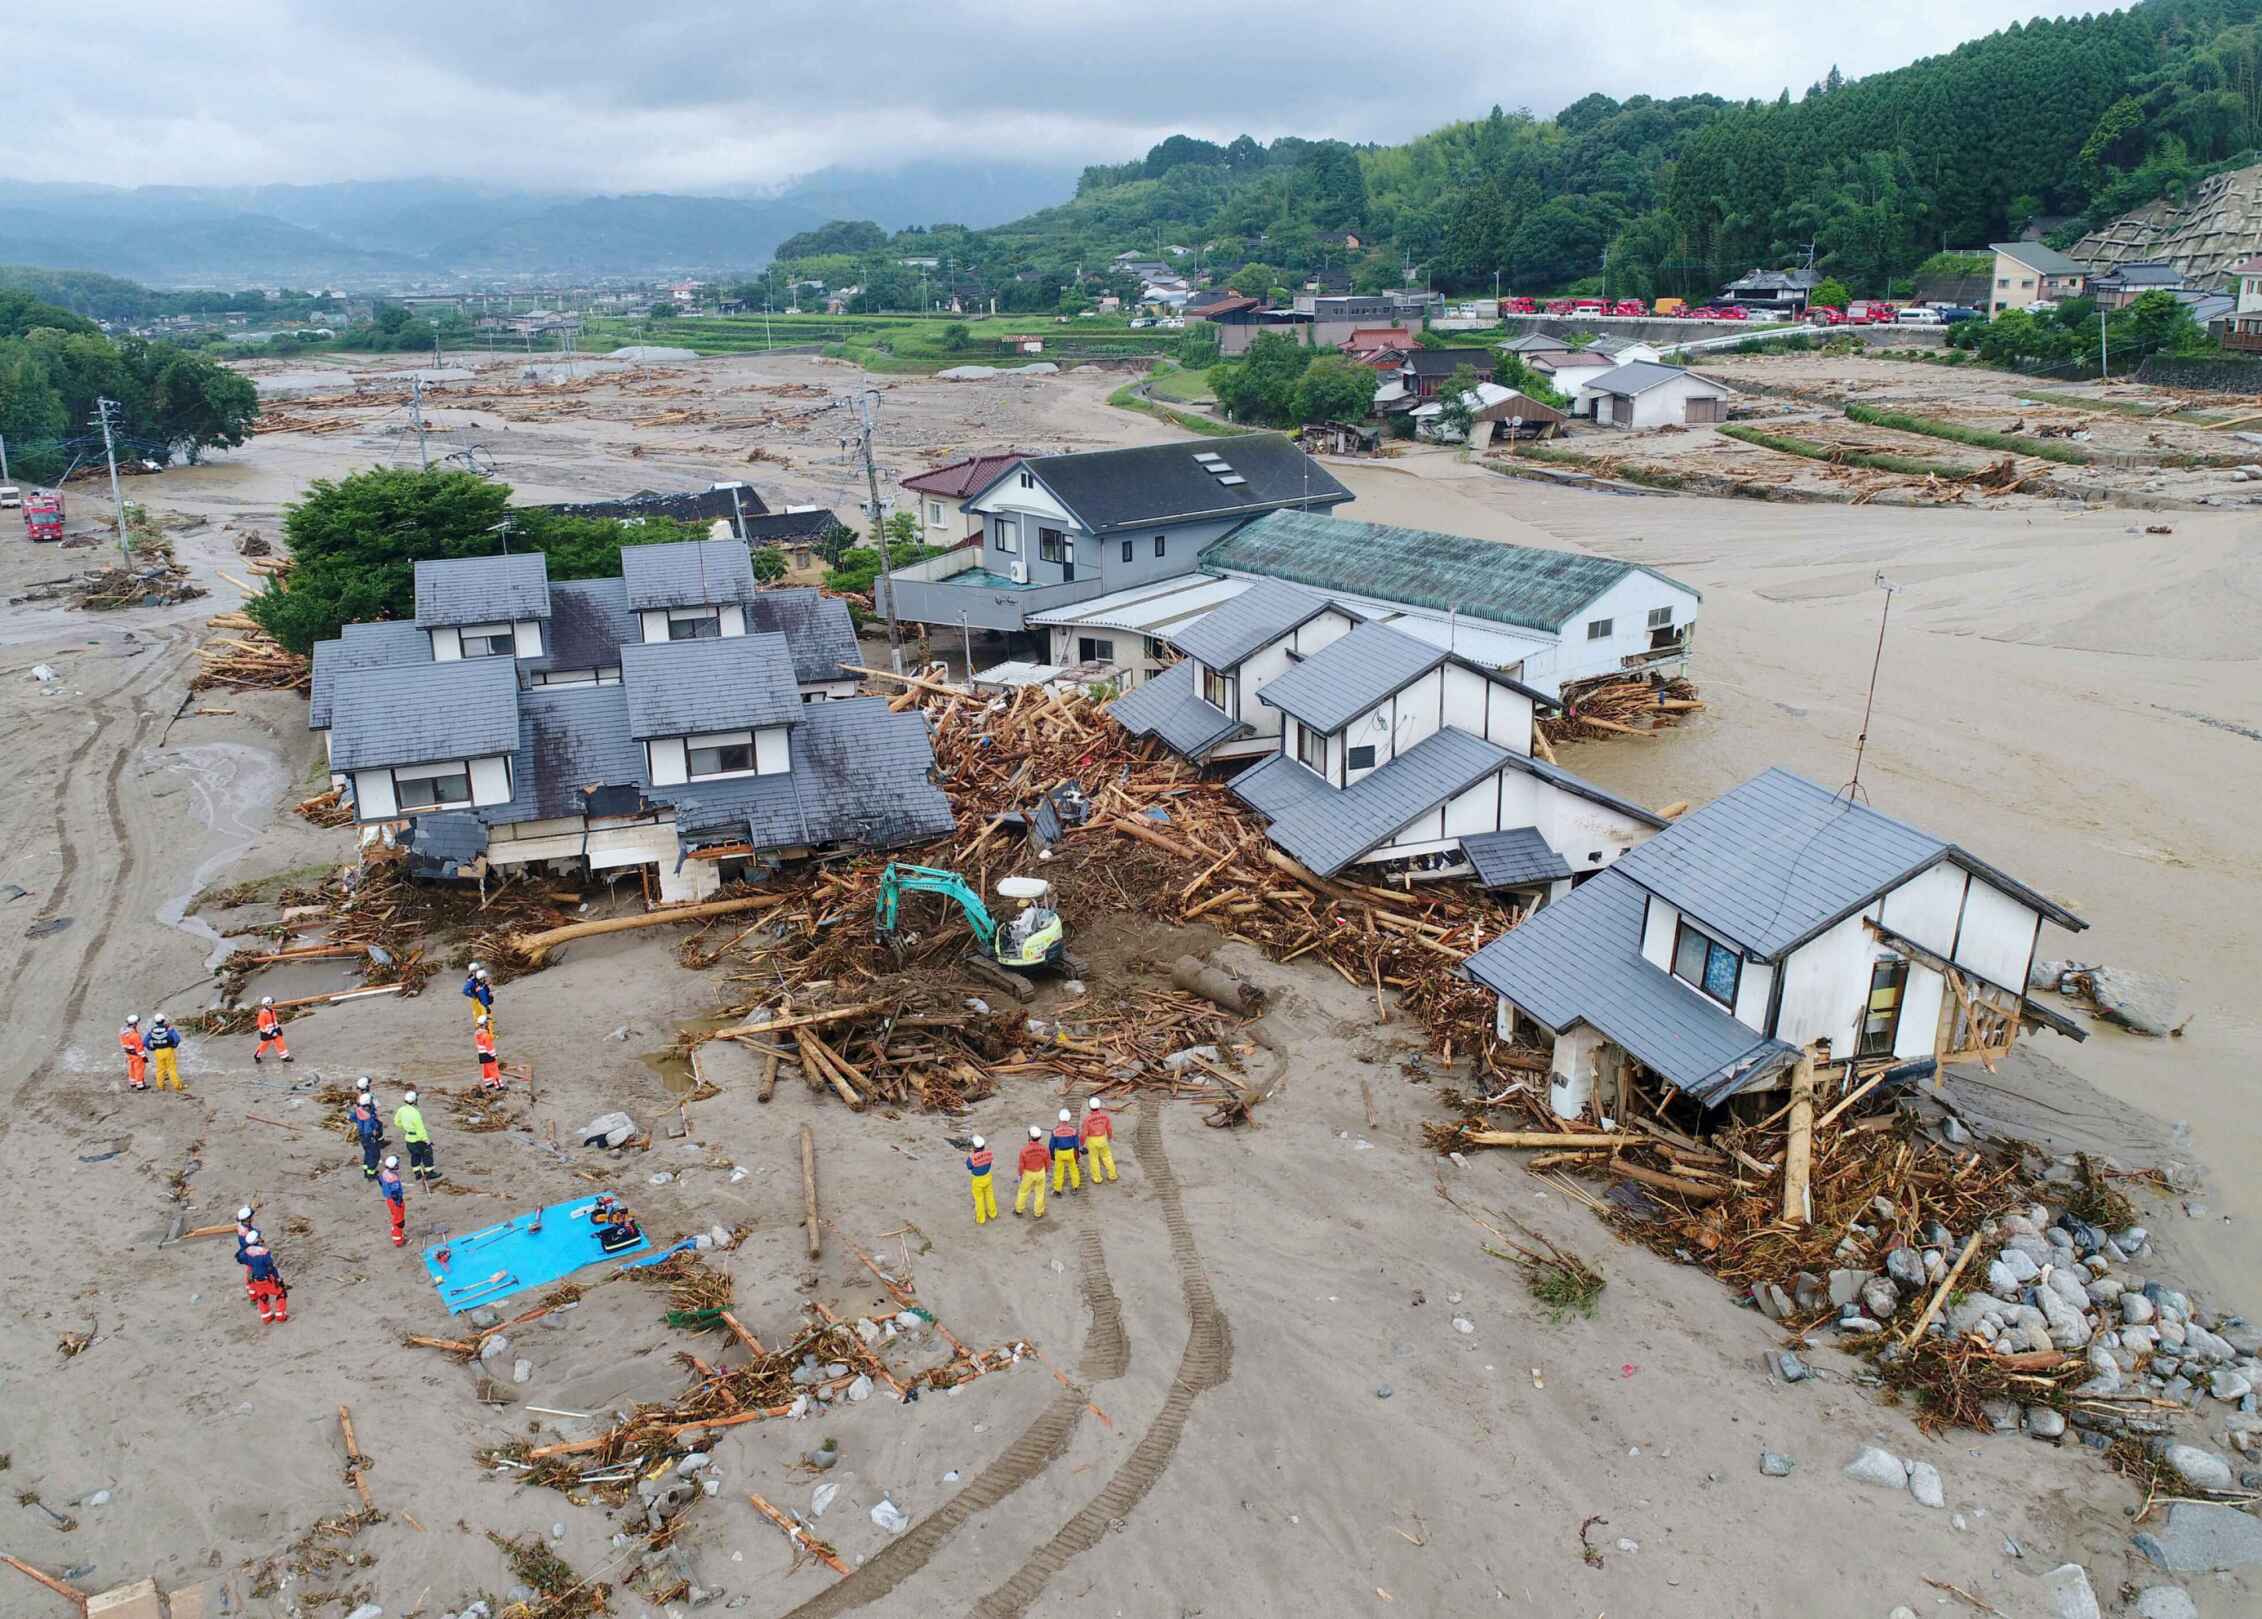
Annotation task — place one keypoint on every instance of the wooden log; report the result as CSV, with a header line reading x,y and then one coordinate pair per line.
x,y
454,1346
752,1343
1850,1098
1664,1182
340,995
353,1461
60,1588
795,1533
809,1188
207,1231
821,1059
1940,1293
1546,1138
913,681
796,1020
1220,988
1131,828
538,944
1798,1151
769,1076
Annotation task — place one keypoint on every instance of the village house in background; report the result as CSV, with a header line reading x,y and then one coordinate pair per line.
x,y
2027,272
1648,393
677,719
1779,919
1778,293
940,495
2123,284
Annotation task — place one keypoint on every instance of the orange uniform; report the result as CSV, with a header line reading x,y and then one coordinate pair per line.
x,y
490,1071
270,1034
137,1058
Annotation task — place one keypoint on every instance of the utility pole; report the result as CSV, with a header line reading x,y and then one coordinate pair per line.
x,y
866,404
738,513
2104,360
3,458
416,415
102,410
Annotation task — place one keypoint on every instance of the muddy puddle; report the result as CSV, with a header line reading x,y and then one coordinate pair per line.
x,y
233,788
669,1063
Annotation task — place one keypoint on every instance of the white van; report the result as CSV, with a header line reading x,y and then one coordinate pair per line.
x,y
10,495
1919,315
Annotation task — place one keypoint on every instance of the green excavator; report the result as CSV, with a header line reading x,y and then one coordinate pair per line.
x,y
1034,937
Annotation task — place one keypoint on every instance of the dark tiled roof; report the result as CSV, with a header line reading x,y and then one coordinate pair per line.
x,y
732,683
569,741
1329,833
483,590
589,623
1513,858
1167,483
415,713
1276,784
859,775
1260,615
1508,584
360,646
686,573
963,476
1444,362
1345,678
816,626
779,528
2042,260
1579,961
1638,377
1777,860
1168,707
442,845
698,506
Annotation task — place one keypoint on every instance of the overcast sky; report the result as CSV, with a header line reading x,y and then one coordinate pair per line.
x,y
711,95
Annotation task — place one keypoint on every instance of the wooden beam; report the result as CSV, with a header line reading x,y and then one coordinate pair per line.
x,y
809,1188
1546,1138
795,1020
1940,1293
59,1587
1664,1182
353,1460
1798,1152
752,1343
800,1537
538,944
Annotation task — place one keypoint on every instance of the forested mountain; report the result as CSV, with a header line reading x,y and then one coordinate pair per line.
x,y
2056,120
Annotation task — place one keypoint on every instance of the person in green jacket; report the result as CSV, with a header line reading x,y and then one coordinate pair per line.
x,y
410,1123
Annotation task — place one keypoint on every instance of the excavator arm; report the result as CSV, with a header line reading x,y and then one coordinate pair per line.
x,y
897,881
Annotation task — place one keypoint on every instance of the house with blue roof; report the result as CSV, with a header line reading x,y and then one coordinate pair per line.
x,y
1781,919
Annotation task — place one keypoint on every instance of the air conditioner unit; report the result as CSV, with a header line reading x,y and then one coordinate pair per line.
x,y
1020,571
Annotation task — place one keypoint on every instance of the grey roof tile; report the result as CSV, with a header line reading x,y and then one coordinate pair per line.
x,y
405,714
1513,857
1165,483
733,683
1169,708
442,845
1329,833
570,741
1775,861
687,573
1638,377
1508,584
360,646
482,590
1257,617
816,626
859,775
1348,676
1579,961
1276,784
590,622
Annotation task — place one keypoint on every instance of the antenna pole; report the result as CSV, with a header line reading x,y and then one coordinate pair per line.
x,y
416,415
864,422
1869,704
102,409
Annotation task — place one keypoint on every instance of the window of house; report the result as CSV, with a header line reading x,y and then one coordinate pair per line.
x,y
1028,481
694,626
1052,545
934,513
488,641
1360,758
720,760
1598,629
1127,550
1660,618
1704,961
1881,1018
1008,536
2002,281
433,787
1214,689
1162,544
1154,649
1311,749
1094,649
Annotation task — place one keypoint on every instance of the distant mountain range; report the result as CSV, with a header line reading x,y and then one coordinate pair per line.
x,y
389,231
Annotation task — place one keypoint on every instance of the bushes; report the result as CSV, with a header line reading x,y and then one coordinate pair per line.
x,y
1978,437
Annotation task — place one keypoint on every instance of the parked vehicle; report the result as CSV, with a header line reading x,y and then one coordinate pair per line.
x,y
1732,312
1629,306
1519,305
1826,315
2040,306
43,517
1590,306
1869,312
1952,313
1561,306
1918,315
1670,306
10,496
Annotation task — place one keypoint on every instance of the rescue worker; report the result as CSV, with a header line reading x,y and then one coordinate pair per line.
x,y
487,996
1065,1141
165,1041
1033,1160
396,1199
483,1044
263,1278
137,1058
1099,1138
410,1123
978,1165
370,1128
472,993
245,1226
270,1025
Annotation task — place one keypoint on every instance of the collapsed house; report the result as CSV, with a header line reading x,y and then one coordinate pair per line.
x,y
1780,919
676,719
1374,748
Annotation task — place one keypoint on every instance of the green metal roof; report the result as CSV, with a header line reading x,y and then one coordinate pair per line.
x,y
1509,584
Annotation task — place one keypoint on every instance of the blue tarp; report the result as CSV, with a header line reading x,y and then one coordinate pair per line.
x,y
527,1250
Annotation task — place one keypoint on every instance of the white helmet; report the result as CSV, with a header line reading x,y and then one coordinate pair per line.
x,y
979,1143
1091,1102
132,1018
160,1017
1065,1116
474,967
266,1000
243,1215
409,1097
392,1161
251,1236
482,974
364,1100
1035,1134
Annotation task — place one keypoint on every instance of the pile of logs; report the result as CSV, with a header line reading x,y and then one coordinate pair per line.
x,y
1620,708
245,657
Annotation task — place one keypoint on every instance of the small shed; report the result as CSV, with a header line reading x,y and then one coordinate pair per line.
x,y
1648,394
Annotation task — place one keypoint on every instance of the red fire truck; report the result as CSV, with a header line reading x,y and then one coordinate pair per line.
x,y
43,517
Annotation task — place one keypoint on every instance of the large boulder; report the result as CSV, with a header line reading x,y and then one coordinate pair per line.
x,y
2200,1538
2142,1002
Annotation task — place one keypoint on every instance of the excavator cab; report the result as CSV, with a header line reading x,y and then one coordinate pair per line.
x,y
1036,937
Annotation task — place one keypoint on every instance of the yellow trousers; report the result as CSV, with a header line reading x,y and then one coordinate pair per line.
x,y
985,1199
1032,1181
1064,1163
1103,1157
168,1062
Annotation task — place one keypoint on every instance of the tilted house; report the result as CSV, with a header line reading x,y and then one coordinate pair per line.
x,y
675,718
1208,705
1394,751
1777,917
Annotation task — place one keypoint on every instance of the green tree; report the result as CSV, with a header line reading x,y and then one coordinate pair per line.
x,y
769,564
858,569
1832,292
834,542
1255,279
1261,387
1510,371
197,405
903,528
663,310
955,336
1333,389
1457,404
391,319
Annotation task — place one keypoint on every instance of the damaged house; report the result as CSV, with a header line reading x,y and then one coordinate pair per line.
x,y
675,719
1376,748
1779,919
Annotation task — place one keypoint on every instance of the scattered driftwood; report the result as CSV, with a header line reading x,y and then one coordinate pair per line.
x,y
536,946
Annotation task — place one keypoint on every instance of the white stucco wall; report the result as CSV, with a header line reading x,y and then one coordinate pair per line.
x,y
1825,987
1927,907
1627,605
1998,935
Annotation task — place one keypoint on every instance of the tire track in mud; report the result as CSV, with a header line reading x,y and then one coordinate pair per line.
x,y
1207,1362
1106,1356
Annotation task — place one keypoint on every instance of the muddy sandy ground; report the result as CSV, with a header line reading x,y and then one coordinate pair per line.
x,y
2060,693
